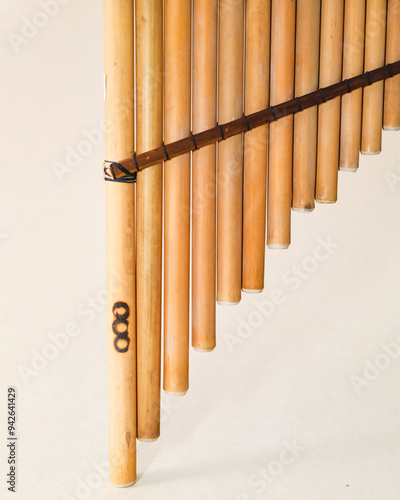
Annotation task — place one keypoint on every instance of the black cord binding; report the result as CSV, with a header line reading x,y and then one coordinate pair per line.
x,y
273,113
390,70
323,95
369,77
299,104
222,132
348,86
166,153
109,173
194,142
247,122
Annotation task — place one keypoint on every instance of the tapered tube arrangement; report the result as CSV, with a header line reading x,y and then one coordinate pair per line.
x,y
305,123
375,36
149,134
177,104
353,64
391,117
257,61
283,22
204,109
263,127
121,307
329,113
230,153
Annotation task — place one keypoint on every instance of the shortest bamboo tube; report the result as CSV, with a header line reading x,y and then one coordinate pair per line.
x,y
329,112
353,64
305,123
391,117
375,34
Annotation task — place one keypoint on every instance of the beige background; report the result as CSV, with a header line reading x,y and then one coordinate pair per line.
x,y
289,379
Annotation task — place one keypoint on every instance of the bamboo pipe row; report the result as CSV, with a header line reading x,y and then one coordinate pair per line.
x,y
205,30
121,307
283,22
391,117
257,61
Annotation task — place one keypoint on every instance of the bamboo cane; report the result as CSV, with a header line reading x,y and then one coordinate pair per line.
x,y
329,113
177,198
149,127
391,117
353,64
283,24
258,33
375,34
205,29
305,123
119,60
230,153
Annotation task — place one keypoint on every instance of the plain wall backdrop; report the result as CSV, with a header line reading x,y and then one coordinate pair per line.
x,y
289,405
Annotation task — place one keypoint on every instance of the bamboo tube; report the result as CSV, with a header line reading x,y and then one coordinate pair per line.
x,y
329,113
205,29
149,126
119,60
283,24
177,197
353,64
230,153
305,123
258,33
391,117
375,34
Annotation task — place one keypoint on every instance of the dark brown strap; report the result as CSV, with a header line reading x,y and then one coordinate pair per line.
x,y
245,123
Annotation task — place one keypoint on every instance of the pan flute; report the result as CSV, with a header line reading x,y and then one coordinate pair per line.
x,y
256,103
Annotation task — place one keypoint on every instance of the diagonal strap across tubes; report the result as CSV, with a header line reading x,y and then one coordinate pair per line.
x,y
125,168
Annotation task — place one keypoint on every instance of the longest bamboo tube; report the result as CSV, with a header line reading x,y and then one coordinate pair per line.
x,y
230,153
329,113
258,32
353,64
375,34
391,117
283,23
205,29
119,60
177,198
149,118
305,123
